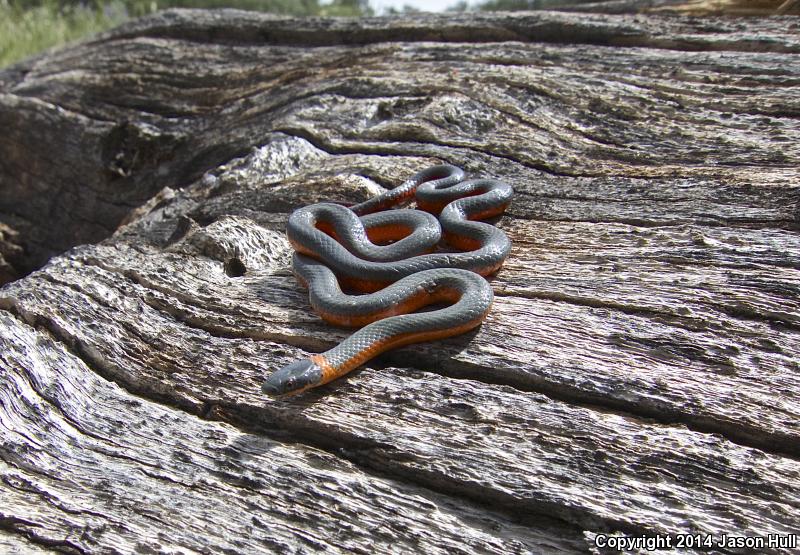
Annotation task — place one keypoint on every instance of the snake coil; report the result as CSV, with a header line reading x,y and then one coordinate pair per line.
x,y
336,245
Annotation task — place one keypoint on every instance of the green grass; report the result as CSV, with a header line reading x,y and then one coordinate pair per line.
x,y
28,31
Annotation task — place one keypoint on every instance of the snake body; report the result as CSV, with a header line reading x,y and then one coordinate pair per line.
x,y
337,245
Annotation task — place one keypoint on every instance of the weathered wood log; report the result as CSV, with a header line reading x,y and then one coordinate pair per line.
x,y
637,375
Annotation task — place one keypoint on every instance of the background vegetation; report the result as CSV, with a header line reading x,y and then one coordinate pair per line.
x,y
26,30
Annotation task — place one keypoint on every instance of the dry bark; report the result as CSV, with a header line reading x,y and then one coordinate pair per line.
x,y
638,373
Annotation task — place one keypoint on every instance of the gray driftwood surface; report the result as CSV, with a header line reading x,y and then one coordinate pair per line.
x,y
638,373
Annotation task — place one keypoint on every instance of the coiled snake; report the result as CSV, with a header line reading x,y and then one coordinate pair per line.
x,y
332,241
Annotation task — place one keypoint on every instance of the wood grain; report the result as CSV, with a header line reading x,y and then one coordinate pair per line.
x,y
637,375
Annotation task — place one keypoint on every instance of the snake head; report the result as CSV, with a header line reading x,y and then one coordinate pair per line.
x,y
292,379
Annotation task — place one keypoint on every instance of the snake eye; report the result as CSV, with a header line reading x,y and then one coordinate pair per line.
x,y
292,378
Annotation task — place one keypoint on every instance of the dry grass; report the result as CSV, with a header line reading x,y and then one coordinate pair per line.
x,y
737,7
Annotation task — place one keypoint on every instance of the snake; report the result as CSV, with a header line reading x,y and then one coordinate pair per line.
x,y
392,260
